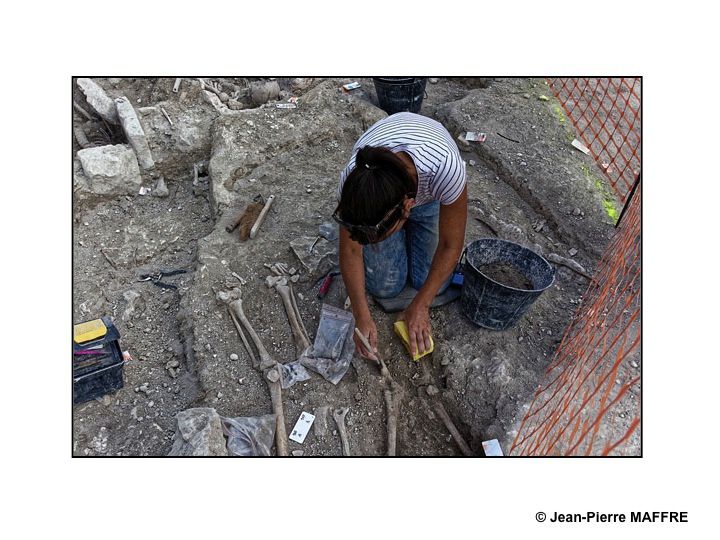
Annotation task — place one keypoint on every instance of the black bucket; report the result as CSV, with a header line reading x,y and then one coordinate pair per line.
x,y
494,305
398,94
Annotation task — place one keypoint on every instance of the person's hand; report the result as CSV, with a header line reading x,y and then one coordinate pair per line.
x,y
417,320
368,329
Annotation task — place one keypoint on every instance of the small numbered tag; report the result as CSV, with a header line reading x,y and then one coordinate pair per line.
x,y
302,426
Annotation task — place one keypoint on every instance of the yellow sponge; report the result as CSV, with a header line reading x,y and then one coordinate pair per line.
x,y
89,331
402,331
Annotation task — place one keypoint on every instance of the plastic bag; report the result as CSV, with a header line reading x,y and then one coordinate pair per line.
x,y
334,347
292,372
331,332
249,436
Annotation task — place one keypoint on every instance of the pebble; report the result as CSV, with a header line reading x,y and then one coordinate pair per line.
x,y
241,380
526,96
520,338
445,360
576,211
219,395
234,356
573,252
549,332
634,364
308,190
151,403
298,453
432,391
148,330
173,364
358,396
433,80
472,162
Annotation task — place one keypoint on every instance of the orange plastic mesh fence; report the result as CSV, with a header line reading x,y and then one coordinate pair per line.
x,y
606,113
589,400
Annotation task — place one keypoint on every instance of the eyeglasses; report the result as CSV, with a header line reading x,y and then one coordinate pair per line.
x,y
368,234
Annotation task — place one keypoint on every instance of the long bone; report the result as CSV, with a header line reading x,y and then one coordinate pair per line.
x,y
247,346
393,397
267,366
339,417
451,427
281,269
300,339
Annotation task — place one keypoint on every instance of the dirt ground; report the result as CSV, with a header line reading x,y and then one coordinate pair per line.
x,y
526,184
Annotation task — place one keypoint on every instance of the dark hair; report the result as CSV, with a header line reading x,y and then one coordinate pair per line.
x,y
378,182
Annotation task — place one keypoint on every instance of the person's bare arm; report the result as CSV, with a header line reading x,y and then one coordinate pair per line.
x,y
453,218
352,268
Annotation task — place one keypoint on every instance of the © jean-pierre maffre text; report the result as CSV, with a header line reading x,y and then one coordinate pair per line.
x,y
632,517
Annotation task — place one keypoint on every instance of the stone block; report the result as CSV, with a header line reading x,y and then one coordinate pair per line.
x,y
134,132
110,170
99,100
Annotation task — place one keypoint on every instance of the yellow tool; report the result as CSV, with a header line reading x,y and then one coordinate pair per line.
x,y
89,331
402,331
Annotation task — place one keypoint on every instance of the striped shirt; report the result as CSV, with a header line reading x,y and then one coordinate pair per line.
x,y
440,169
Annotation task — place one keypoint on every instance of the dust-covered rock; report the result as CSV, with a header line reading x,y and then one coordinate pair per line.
x,y
262,92
109,170
99,100
134,132
199,433
161,189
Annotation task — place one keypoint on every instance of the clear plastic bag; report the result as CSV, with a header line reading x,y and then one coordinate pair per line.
x,y
249,436
293,372
334,347
330,337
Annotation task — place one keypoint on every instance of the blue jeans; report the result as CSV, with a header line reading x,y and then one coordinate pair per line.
x,y
404,257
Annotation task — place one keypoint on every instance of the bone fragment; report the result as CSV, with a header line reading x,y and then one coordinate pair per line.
x,y
320,427
81,138
83,112
392,402
393,396
247,346
568,263
167,117
450,425
301,340
339,417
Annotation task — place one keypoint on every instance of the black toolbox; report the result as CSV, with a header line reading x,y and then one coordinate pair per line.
x,y
97,362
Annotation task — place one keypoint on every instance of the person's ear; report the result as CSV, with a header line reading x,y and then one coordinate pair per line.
x,y
408,204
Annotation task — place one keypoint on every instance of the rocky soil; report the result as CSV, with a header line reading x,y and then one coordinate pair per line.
x,y
215,153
